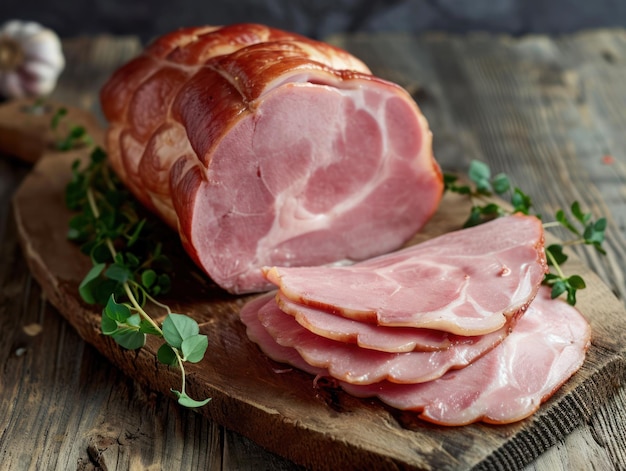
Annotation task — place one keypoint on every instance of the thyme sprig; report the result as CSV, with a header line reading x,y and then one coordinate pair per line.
x,y
580,225
129,268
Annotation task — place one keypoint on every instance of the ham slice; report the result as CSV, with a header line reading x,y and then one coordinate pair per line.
x,y
263,147
547,346
468,282
365,335
350,363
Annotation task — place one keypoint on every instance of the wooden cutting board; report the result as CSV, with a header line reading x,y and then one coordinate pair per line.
x,y
283,409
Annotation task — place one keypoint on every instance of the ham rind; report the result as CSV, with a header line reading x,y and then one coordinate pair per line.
x,y
356,365
365,335
547,346
262,147
468,282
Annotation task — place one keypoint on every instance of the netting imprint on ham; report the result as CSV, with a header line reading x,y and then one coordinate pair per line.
x,y
263,147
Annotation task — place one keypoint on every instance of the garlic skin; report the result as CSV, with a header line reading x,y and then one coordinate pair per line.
x,y
31,59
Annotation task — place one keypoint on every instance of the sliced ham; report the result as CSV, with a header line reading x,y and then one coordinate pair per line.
x,y
468,282
546,348
356,365
255,331
263,147
507,384
366,335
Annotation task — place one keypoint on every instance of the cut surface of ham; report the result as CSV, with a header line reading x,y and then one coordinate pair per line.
x,y
507,384
263,147
468,282
356,365
366,335
547,346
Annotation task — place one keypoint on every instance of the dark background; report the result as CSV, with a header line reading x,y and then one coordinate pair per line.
x,y
318,18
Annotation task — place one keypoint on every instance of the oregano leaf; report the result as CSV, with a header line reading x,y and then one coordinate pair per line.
x,y
130,339
194,347
186,401
86,286
166,355
178,327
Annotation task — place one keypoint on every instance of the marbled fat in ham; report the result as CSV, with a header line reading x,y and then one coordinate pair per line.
x,y
547,346
263,147
468,282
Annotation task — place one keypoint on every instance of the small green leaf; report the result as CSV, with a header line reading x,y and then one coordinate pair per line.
x,y
136,232
501,183
118,273
565,222
148,278
98,155
579,214
103,288
521,201
166,355
86,286
134,320
57,116
164,283
100,253
556,251
558,289
571,297
130,339
194,347
116,311
132,260
108,325
146,327
479,171
576,282
178,327
186,401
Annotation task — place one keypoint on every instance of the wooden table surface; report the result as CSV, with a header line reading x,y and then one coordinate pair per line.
x,y
550,112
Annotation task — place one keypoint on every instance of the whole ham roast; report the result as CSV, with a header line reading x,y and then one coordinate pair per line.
x,y
265,148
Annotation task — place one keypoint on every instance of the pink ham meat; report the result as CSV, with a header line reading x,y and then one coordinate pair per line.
x,y
546,348
356,365
255,331
468,282
365,335
263,147
507,384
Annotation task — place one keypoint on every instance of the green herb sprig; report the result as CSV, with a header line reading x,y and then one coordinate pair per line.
x,y
128,264
76,137
481,190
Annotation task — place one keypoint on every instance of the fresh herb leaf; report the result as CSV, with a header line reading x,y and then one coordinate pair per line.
x,y
86,286
194,347
177,328
128,262
186,401
167,355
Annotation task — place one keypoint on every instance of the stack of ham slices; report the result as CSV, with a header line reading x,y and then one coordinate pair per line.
x,y
457,328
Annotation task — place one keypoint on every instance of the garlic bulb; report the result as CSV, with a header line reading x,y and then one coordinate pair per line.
x,y
31,59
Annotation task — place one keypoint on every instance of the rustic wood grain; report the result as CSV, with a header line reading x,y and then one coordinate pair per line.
x,y
545,110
